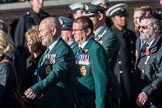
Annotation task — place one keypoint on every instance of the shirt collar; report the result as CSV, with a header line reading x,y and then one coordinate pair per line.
x,y
99,29
85,43
69,43
54,43
150,43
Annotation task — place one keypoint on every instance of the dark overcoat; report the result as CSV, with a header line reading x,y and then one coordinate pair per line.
x,y
148,75
124,67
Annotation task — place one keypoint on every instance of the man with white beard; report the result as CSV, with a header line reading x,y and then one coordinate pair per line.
x,y
148,75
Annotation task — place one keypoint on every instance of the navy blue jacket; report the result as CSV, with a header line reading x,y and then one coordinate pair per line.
x,y
148,75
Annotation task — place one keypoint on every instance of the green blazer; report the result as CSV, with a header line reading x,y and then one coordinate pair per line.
x,y
55,86
108,40
92,74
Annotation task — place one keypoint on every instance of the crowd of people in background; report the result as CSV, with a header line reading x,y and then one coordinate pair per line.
x,y
92,60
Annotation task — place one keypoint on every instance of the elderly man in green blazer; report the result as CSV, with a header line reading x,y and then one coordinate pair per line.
x,y
56,69
92,63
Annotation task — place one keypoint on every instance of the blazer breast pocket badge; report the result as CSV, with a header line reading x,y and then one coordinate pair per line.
x,y
48,69
83,70
50,58
82,59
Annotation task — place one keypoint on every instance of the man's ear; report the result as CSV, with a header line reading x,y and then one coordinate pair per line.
x,y
88,31
53,31
156,29
100,15
112,19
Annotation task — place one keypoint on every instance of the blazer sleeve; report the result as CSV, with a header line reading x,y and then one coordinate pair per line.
x,y
20,32
156,83
110,44
59,70
99,71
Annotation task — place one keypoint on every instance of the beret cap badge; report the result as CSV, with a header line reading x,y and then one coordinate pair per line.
x,y
122,9
147,14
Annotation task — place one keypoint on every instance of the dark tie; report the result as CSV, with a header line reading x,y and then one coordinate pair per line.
x,y
79,50
144,46
142,43
44,55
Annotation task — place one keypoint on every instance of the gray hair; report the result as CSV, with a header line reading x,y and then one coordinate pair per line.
x,y
156,24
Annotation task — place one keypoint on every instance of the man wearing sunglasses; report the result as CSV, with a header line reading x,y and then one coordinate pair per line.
x,y
138,12
148,75
124,67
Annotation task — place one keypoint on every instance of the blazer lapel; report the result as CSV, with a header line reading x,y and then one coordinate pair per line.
x,y
54,49
87,46
101,32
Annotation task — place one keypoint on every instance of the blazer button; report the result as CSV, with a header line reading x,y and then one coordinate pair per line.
x,y
132,71
121,72
132,61
119,62
132,52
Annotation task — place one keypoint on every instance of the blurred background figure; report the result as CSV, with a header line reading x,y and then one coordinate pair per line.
x,y
120,93
8,1
66,32
32,17
8,99
102,3
77,9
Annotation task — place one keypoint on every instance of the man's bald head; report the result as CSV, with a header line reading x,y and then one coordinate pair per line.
x,y
51,22
49,30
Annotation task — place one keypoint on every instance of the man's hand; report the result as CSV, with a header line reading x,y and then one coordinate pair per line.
x,y
30,94
141,99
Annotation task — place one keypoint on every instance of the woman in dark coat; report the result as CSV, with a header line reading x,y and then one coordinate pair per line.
x,y
8,98
36,49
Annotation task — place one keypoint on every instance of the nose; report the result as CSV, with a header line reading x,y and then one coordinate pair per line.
x,y
39,35
28,43
140,29
134,20
73,32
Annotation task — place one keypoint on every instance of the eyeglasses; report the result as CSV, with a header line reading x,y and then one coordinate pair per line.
x,y
77,29
143,27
